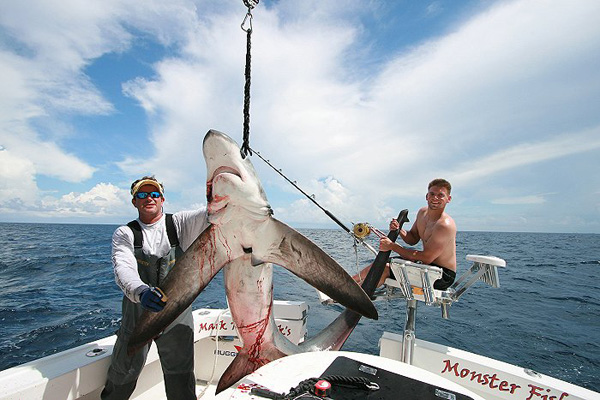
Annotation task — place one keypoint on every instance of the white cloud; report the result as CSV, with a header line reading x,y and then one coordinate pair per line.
x,y
531,199
525,154
332,196
46,46
103,199
18,178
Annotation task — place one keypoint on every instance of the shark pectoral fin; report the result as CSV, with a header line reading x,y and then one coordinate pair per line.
x,y
302,257
190,275
244,364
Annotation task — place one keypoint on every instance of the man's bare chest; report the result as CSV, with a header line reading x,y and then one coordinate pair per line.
x,y
426,229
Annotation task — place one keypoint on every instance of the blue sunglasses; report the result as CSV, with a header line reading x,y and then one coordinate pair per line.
x,y
143,195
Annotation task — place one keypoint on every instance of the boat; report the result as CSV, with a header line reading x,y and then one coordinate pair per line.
x,y
406,367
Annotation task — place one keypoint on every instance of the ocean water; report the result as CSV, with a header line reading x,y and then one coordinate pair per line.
x,y
58,291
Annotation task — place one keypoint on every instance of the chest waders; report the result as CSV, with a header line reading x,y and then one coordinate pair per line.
x,y
175,344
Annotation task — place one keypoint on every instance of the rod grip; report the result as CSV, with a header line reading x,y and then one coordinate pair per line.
x,y
370,283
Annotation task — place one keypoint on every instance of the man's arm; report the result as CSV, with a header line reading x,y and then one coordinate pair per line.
x,y
189,225
431,251
411,237
125,264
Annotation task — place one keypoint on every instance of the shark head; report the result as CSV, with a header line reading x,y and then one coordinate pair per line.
x,y
232,185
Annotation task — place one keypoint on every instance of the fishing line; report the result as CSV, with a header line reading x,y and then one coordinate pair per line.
x,y
312,198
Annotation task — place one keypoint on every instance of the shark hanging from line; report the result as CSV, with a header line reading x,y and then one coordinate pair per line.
x,y
245,240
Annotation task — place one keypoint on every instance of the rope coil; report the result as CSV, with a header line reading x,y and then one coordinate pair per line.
x,y
308,385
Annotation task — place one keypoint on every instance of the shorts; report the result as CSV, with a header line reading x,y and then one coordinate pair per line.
x,y
446,280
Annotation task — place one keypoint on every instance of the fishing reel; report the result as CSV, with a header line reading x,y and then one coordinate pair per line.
x,y
364,229
361,230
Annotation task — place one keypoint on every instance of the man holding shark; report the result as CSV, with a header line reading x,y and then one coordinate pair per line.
x,y
143,253
246,241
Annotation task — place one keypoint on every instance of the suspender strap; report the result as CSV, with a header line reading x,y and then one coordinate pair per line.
x,y
138,239
171,231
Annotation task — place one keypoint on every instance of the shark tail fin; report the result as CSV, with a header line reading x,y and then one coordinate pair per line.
x,y
244,364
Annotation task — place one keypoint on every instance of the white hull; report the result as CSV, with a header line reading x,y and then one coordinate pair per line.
x,y
491,379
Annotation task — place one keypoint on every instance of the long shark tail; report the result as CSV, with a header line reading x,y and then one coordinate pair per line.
x,y
245,363
335,334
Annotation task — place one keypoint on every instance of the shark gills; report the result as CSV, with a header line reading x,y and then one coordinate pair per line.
x,y
245,240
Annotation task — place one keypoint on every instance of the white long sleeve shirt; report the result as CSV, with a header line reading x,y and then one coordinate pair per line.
x,y
188,224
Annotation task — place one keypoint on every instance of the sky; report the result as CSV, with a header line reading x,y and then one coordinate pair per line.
x,y
362,103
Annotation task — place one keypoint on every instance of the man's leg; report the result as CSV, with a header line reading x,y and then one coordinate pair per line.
x,y
123,372
361,276
176,350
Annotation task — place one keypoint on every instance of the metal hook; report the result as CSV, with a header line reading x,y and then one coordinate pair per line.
x,y
248,18
251,3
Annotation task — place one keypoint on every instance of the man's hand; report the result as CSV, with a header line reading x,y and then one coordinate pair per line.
x,y
153,299
385,244
394,225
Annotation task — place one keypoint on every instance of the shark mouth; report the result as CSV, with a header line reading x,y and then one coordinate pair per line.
x,y
210,198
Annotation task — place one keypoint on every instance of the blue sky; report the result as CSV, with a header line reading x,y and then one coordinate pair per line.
x,y
361,102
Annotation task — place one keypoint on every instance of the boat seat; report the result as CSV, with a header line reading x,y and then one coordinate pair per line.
x,y
484,268
414,281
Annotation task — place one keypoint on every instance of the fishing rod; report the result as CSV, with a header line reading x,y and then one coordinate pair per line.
x,y
360,230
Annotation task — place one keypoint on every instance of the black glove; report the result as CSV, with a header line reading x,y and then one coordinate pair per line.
x,y
153,299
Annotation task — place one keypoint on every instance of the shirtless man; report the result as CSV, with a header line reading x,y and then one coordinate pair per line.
x,y
435,228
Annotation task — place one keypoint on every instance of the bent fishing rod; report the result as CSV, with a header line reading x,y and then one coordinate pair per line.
x,y
360,230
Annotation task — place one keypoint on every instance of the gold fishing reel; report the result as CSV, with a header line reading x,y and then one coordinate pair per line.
x,y
361,230
364,229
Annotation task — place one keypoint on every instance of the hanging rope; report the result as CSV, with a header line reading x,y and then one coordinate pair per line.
x,y
245,149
